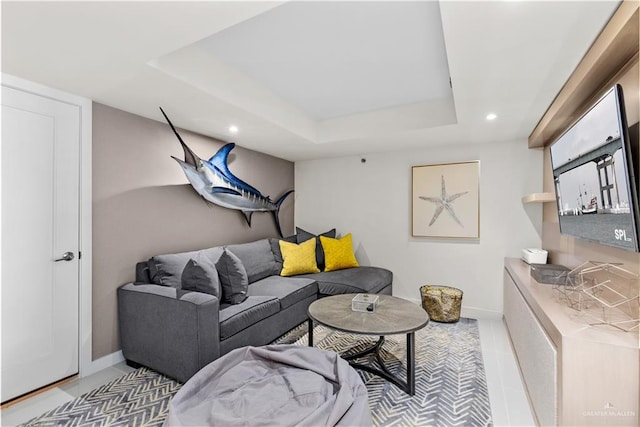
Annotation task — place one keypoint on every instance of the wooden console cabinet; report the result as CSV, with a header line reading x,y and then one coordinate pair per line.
x,y
574,374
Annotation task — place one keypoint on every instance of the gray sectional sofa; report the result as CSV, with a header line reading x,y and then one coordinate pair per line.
x,y
177,332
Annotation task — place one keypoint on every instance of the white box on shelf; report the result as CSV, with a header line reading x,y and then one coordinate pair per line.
x,y
364,302
534,256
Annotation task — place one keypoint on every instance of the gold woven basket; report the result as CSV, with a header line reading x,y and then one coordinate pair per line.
x,y
442,303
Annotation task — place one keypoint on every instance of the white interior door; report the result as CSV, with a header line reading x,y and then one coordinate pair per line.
x,y
40,214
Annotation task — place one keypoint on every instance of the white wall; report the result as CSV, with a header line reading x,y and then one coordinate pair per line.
x,y
372,200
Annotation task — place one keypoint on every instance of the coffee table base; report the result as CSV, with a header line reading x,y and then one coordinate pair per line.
x,y
408,386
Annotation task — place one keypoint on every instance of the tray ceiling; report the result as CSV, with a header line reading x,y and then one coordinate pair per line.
x,y
311,79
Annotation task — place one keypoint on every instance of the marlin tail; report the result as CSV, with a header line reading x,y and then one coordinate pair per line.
x,y
213,180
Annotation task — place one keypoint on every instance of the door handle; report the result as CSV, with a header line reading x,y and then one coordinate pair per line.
x,y
67,256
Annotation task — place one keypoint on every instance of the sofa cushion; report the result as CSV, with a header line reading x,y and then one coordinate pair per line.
x,y
352,280
201,275
303,236
237,317
233,278
257,257
338,253
298,259
288,290
166,270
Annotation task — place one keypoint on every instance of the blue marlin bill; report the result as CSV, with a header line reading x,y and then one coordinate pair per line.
x,y
213,180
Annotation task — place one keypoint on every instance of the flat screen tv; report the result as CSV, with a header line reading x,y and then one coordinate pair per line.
x,y
593,171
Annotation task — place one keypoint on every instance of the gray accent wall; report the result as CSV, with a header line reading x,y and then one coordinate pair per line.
x,y
143,204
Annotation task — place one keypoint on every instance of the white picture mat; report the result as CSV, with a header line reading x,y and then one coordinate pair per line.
x,y
461,177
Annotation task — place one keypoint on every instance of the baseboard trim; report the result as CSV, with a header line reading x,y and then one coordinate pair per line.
x,y
480,313
104,362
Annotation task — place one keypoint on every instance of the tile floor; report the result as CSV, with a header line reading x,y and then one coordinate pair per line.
x,y
509,403
40,403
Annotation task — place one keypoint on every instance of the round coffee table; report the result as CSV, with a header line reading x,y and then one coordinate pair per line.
x,y
392,316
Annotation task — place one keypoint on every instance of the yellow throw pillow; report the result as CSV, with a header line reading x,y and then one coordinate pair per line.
x,y
338,253
298,259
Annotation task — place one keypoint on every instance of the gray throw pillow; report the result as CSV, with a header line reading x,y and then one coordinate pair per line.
x,y
201,275
166,270
256,257
233,278
303,236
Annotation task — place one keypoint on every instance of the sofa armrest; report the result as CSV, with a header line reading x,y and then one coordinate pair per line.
x,y
171,331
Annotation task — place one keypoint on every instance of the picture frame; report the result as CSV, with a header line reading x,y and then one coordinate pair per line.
x,y
445,200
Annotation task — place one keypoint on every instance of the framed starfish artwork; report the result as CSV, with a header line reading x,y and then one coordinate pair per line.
x,y
446,200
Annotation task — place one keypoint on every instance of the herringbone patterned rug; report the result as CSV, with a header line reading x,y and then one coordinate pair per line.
x,y
139,398
451,386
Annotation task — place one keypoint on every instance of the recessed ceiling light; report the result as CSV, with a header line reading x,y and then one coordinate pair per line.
x,y
491,116
233,129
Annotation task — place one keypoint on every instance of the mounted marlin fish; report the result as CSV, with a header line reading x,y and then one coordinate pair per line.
x,y
213,180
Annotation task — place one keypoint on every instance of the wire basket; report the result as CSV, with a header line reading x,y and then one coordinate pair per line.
x,y
442,303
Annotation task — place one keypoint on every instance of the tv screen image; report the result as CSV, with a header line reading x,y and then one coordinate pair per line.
x,y
593,175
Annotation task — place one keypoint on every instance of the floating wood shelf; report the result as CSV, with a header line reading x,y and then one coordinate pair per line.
x,y
539,198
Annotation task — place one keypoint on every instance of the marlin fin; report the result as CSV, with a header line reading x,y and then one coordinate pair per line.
x,y
189,156
180,162
221,158
224,190
247,216
276,212
220,161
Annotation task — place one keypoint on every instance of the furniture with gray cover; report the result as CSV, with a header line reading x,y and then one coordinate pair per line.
x,y
306,387
176,331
